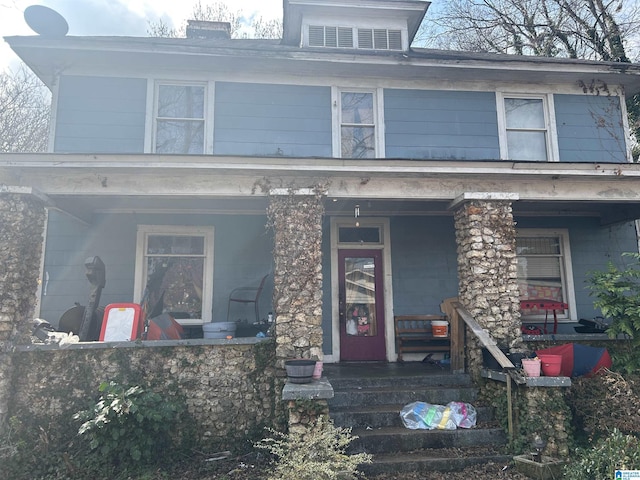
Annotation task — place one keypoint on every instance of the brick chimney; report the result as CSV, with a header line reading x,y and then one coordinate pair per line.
x,y
204,29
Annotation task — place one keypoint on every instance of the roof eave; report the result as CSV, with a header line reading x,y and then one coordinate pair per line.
x,y
52,57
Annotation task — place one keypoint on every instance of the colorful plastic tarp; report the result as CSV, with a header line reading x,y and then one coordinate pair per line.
x,y
578,360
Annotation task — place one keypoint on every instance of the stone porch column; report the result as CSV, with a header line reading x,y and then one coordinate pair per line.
x,y
487,267
296,218
22,220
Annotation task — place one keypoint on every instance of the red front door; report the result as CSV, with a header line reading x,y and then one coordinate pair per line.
x,y
361,305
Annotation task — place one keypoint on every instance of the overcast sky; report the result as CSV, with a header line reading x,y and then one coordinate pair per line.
x,y
115,17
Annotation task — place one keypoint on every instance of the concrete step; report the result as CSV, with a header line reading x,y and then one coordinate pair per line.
x,y
369,399
400,439
400,380
378,416
430,460
395,395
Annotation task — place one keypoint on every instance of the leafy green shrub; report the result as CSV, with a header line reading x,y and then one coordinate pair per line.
x,y
318,453
615,452
128,425
617,293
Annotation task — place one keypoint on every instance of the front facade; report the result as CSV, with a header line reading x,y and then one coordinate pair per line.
x,y
166,153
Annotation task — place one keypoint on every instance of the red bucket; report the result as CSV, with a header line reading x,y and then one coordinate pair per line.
x,y
551,364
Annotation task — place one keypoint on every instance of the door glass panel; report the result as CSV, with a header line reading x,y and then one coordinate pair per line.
x,y
360,296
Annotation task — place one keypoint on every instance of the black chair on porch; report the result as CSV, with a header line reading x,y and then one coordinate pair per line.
x,y
247,295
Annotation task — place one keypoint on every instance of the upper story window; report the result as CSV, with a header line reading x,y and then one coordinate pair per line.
x,y
527,127
180,119
349,37
356,124
174,270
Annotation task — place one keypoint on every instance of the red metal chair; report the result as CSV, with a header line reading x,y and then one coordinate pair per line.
x,y
246,295
546,305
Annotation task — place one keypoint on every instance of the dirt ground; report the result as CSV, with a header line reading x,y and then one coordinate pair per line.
x,y
252,468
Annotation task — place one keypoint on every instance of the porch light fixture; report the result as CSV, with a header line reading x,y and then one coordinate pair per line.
x,y
356,214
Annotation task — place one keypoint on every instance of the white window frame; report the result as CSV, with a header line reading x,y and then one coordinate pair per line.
x,y
153,87
144,231
378,119
548,106
566,271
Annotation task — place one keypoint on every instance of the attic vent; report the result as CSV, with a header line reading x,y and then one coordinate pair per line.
x,y
320,36
379,39
365,38
395,40
316,36
345,37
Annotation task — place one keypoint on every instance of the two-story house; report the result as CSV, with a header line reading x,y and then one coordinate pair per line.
x,y
160,149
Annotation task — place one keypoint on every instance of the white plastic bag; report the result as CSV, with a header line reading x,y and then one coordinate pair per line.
x,y
464,414
421,415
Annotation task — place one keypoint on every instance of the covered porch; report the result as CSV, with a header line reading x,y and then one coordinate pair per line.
x,y
438,230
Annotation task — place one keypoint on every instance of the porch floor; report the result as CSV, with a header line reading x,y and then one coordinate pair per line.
x,y
381,369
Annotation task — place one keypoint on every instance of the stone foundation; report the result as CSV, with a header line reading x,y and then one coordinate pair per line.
x,y
228,386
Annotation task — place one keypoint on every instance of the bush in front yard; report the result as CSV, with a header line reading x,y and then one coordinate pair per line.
x,y
129,425
603,402
616,451
318,453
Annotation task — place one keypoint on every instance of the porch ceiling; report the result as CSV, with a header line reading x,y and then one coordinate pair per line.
x,y
86,207
607,213
86,184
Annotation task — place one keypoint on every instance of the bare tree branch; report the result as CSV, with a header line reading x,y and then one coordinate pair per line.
x,y
24,112
594,29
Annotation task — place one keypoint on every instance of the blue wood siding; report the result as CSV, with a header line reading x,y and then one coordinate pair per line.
x,y
272,120
592,247
243,254
590,128
441,125
424,264
100,115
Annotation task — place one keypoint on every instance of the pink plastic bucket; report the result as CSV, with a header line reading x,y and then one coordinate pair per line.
x,y
531,367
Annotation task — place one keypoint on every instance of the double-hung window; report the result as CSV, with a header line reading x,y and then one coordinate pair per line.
x,y
527,127
180,118
544,268
357,124
174,271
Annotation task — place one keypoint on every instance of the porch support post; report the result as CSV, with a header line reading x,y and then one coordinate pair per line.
x,y
487,268
22,220
296,217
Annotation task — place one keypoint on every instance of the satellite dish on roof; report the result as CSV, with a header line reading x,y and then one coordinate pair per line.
x,y
45,21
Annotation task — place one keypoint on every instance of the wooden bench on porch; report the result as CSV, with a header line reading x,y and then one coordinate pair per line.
x,y
414,335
